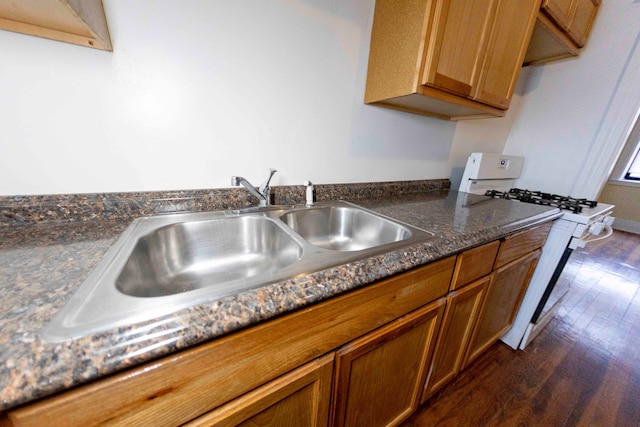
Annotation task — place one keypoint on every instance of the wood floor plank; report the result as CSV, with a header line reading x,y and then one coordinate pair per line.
x,y
582,370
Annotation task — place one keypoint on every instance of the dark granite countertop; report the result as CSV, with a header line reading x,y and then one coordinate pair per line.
x,y
42,263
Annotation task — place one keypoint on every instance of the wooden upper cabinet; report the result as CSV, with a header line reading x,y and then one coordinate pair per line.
x,y
506,48
575,17
561,30
448,58
457,41
81,22
584,14
559,10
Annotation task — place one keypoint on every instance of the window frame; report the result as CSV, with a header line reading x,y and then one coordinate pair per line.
x,y
634,165
629,156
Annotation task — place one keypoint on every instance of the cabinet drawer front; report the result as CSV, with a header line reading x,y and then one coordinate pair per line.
x,y
473,264
515,246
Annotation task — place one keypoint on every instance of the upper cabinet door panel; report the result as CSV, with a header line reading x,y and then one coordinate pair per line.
x,y
560,11
457,44
573,16
583,16
506,50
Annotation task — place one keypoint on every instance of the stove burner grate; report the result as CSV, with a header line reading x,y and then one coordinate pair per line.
x,y
546,199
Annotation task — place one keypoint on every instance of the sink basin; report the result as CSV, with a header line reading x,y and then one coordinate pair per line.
x,y
162,264
192,255
344,228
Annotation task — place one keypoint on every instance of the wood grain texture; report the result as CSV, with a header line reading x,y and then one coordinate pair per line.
x,y
426,57
516,245
582,370
461,315
379,377
505,51
504,295
178,388
548,43
583,17
574,17
474,264
460,33
396,48
78,22
560,11
299,398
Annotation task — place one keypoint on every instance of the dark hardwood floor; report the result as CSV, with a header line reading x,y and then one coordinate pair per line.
x,y
582,370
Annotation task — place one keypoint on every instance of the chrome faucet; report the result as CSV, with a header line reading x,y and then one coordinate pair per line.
x,y
263,193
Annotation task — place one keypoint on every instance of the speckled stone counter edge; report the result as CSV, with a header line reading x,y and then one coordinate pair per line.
x,y
35,369
25,210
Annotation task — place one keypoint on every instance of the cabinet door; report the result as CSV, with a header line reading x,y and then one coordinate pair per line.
x,y
560,11
457,44
461,314
583,16
379,377
575,17
507,46
504,295
299,398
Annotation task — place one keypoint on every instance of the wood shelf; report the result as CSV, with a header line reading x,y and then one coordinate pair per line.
x,y
81,22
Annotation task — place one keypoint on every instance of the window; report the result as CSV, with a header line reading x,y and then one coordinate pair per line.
x,y
634,169
627,168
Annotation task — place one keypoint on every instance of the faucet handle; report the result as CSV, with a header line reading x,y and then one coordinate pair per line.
x,y
264,187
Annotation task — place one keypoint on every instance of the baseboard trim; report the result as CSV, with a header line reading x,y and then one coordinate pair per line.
x,y
626,225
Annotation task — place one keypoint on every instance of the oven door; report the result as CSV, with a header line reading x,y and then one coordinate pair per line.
x,y
557,289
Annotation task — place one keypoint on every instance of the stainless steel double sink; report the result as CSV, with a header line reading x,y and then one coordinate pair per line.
x,y
165,263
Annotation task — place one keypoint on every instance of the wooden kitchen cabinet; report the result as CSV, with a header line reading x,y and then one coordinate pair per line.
x,y
463,308
519,244
250,369
379,377
575,17
473,264
81,22
561,29
448,58
504,294
299,398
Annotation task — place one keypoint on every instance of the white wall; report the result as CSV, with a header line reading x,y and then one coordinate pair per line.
x,y
196,91
574,115
199,90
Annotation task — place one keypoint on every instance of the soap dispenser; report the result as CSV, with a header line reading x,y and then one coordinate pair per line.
x,y
309,197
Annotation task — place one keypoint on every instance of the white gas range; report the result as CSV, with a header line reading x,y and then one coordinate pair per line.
x,y
583,221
